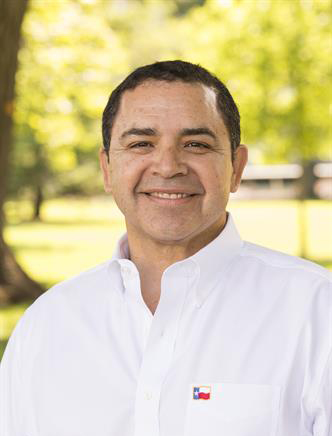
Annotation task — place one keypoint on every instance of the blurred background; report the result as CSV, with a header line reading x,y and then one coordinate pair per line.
x,y
60,61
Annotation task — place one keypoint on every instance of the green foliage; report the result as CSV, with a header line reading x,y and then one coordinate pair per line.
x,y
60,91
274,55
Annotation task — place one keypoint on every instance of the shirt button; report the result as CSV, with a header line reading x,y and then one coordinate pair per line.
x,y
148,395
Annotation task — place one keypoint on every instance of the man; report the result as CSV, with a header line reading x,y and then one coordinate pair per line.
x,y
188,330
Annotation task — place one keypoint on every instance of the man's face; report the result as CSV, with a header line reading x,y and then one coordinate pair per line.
x,y
170,169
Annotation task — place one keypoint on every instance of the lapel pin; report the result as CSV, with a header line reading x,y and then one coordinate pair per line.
x,y
201,392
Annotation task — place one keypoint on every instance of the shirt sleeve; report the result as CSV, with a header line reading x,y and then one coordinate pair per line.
x,y
11,395
323,405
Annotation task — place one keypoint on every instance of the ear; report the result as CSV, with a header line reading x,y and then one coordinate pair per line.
x,y
239,162
105,168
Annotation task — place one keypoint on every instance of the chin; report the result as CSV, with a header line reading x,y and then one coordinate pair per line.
x,y
168,235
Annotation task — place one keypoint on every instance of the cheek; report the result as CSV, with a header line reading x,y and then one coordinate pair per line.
x,y
217,178
126,172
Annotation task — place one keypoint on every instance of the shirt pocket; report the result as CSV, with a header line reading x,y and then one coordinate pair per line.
x,y
233,410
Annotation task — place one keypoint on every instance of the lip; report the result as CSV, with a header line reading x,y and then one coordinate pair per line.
x,y
168,191
169,201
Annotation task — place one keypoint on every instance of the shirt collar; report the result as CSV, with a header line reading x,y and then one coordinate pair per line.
x,y
213,259
122,248
208,263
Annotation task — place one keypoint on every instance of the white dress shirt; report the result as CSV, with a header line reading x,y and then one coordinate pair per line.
x,y
240,345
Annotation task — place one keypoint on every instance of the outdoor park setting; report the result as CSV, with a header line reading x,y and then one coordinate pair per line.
x,y
61,60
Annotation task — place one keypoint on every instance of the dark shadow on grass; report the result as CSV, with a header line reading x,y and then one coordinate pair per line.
x,y
37,247
3,343
21,305
47,285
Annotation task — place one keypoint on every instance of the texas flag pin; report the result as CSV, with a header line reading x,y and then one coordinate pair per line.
x,y
201,392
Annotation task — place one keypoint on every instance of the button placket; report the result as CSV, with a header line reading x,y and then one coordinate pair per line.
x,y
147,321
158,355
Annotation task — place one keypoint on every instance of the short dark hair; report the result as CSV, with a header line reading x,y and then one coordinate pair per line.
x,y
170,71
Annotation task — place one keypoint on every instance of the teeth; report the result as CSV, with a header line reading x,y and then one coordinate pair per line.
x,y
170,196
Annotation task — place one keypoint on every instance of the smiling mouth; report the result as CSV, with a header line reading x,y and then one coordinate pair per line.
x,y
169,196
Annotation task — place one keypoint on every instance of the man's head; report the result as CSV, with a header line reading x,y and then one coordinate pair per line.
x,y
171,156
171,71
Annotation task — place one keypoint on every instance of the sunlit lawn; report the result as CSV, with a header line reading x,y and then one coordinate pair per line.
x,y
77,234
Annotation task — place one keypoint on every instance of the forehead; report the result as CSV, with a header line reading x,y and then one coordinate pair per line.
x,y
172,104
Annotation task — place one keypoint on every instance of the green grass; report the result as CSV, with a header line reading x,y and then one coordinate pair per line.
x,y
74,235
301,229
77,234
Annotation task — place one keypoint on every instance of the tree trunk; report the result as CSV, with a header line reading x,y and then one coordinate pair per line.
x,y
15,285
38,201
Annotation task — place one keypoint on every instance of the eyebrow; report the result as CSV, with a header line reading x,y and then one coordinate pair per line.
x,y
134,131
148,131
198,131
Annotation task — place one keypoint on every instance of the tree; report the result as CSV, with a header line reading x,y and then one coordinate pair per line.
x,y
15,285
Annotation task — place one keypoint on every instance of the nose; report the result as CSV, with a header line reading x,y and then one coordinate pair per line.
x,y
169,163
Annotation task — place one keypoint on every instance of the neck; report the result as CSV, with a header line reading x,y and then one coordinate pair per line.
x,y
152,257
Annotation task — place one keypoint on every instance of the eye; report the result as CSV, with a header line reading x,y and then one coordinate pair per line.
x,y
199,146
141,146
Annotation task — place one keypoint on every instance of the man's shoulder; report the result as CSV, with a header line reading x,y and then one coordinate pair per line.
x,y
79,287
82,279
62,303
282,262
